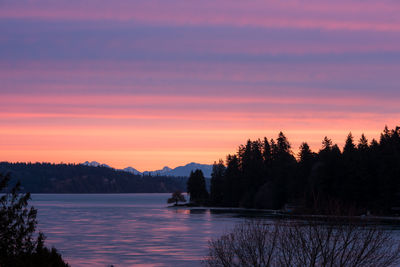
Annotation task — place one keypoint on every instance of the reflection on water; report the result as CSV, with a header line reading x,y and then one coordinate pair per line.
x,y
127,229
132,229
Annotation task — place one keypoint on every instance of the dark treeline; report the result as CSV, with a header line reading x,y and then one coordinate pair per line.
x,y
71,178
363,176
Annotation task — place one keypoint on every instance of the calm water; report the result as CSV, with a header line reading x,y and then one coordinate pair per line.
x,y
128,229
132,229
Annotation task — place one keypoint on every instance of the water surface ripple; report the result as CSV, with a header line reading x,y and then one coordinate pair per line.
x,y
127,229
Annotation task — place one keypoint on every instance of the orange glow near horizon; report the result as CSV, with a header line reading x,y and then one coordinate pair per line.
x,y
168,137
149,132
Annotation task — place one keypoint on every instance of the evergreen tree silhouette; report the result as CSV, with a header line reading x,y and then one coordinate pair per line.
x,y
18,246
233,186
364,178
196,187
217,183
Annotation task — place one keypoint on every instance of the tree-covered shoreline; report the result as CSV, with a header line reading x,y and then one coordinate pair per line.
x,y
77,178
362,178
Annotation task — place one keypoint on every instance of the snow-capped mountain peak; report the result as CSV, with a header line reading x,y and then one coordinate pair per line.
x,y
132,170
95,164
166,169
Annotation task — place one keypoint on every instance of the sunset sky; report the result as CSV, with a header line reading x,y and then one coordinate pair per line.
x,y
154,83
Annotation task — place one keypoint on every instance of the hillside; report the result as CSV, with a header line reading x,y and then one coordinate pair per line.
x,y
71,178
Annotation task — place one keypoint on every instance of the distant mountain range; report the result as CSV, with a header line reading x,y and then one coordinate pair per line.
x,y
181,171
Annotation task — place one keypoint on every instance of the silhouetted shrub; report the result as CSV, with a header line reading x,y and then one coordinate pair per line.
x,y
176,197
310,243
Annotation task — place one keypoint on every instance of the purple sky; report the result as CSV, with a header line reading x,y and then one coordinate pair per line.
x,y
153,83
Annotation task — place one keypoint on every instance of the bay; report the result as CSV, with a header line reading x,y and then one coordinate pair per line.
x,y
128,229
135,229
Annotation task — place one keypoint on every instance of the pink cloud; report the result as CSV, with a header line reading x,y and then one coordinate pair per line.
x,y
188,94
330,15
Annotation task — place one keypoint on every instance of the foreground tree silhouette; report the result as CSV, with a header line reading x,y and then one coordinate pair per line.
x,y
176,197
18,247
309,243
